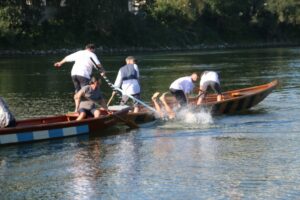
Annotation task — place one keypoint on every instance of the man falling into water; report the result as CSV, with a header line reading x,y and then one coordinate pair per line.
x,y
180,88
164,111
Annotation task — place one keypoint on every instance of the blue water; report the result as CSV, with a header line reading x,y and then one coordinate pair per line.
x,y
252,155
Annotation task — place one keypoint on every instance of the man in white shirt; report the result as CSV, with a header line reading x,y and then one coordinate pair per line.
x,y
183,86
83,66
128,80
209,79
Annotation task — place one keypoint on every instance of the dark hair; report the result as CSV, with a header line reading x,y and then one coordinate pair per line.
x,y
90,46
94,80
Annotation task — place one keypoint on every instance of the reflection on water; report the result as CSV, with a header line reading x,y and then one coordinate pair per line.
x,y
252,155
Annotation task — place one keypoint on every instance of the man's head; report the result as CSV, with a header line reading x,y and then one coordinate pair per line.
x,y
90,47
194,77
130,60
95,81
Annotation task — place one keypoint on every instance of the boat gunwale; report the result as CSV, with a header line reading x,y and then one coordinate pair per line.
x,y
255,90
60,124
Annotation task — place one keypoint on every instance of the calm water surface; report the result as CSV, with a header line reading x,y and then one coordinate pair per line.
x,y
253,155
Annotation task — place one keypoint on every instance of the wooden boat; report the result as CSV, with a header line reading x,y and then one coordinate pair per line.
x,y
58,126
233,101
142,119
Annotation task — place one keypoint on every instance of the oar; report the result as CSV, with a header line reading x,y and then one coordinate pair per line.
x,y
120,90
111,98
135,99
106,79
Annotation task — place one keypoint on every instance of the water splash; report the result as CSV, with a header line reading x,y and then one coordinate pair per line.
x,y
190,115
190,118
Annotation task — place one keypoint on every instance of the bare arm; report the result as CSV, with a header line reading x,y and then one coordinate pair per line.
x,y
99,66
118,81
60,63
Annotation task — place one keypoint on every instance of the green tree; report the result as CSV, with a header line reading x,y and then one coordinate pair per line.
x,y
287,11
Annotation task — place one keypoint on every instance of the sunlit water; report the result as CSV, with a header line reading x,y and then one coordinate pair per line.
x,y
251,155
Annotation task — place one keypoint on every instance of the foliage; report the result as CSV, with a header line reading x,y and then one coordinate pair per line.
x,y
287,11
159,23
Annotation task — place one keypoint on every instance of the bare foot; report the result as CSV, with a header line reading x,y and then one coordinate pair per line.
x,y
155,95
163,96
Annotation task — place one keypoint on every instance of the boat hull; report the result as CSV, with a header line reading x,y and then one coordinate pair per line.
x,y
143,119
56,127
233,101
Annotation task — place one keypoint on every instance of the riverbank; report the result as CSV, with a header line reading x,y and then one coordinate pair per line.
x,y
109,50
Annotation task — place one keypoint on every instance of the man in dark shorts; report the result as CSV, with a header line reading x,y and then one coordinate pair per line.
x,y
87,98
209,79
84,62
183,86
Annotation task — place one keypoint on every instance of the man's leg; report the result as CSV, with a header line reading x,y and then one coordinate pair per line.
x,y
169,110
202,93
79,82
76,83
156,104
83,81
124,100
135,103
179,96
216,87
201,98
96,113
81,116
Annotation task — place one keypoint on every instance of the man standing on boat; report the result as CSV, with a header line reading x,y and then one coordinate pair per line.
x,y
87,98
6,117
83,66
209,79
128,80
181,87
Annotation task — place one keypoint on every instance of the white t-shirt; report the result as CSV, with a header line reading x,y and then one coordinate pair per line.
x,y
209,76
131,86
184,83
83,65
5,115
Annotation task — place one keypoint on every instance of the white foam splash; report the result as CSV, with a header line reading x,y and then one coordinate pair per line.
x,y
192,116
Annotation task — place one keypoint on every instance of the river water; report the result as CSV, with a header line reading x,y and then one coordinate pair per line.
x,y
251,155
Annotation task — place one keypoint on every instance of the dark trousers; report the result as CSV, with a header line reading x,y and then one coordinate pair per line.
x,y
79,82
180,97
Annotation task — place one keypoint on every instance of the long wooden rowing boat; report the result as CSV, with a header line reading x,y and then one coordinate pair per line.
x,y
58,126
233,101
142,119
